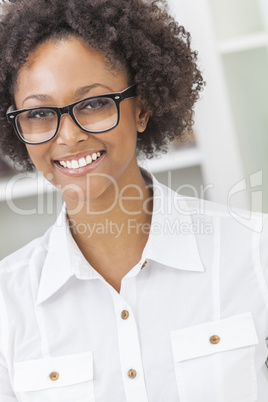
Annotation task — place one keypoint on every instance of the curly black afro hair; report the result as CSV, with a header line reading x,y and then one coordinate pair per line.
x,y
139,35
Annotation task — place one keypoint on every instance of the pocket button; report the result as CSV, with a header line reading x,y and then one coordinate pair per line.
x,y
54,375
214,339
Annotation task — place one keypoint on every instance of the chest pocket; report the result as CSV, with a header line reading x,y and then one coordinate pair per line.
x,y
65,378
214,361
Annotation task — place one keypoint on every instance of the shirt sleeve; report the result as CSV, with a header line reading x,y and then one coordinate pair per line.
x,y
6,391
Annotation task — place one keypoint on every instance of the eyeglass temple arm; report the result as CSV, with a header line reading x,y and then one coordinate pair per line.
x,y
11,109
129,92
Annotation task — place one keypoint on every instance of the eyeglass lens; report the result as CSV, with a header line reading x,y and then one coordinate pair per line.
x,y
94,115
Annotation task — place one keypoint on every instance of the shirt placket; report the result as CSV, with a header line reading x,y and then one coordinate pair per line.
x,y
128,341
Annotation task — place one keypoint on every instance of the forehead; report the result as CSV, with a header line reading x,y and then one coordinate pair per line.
x,y
58,67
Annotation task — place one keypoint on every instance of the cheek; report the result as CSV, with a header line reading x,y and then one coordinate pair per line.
x,y
126,135
122,145
39,155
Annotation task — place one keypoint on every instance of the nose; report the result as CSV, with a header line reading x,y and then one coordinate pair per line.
x,y
69,133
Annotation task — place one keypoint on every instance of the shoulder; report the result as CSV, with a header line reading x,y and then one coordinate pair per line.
x,y
22,258
19,273
16,286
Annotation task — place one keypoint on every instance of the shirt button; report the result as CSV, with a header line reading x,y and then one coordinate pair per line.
x,y
54,376
132,373
125,314
214,339
144,264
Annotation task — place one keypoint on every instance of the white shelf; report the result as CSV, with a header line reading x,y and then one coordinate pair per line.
x,y
24,185
174,159
245,42
27,185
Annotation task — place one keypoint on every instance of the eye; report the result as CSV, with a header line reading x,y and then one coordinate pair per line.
x,y
40,114
95,104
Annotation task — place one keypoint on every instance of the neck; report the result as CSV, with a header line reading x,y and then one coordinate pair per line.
x,y
114,221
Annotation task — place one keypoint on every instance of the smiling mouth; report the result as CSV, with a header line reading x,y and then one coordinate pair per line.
x,y
81,162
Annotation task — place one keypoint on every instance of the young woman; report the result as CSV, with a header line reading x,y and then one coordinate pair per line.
x,y
122,299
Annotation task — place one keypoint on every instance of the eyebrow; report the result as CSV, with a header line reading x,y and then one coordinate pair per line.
x,y
83,90
79,92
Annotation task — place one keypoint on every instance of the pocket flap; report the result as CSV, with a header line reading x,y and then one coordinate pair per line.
x,y
34,375
234,332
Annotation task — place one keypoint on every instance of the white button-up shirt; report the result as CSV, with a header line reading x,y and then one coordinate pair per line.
x,y
189,324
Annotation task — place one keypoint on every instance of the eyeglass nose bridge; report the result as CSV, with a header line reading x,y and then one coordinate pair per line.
x,y
66,110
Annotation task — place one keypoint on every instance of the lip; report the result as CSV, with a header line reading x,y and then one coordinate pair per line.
x,y
81,170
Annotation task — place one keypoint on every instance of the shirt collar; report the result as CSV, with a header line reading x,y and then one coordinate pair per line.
x,y
57,268
170,243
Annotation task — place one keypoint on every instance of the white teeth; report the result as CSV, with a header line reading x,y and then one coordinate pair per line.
x,y
82,162
75,164
88,159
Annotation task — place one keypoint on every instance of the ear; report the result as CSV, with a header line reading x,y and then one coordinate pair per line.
x,y
142,116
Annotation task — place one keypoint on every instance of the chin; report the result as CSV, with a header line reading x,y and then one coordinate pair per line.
x,y
94,193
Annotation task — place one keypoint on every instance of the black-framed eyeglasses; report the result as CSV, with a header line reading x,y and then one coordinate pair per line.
x,y
95,115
